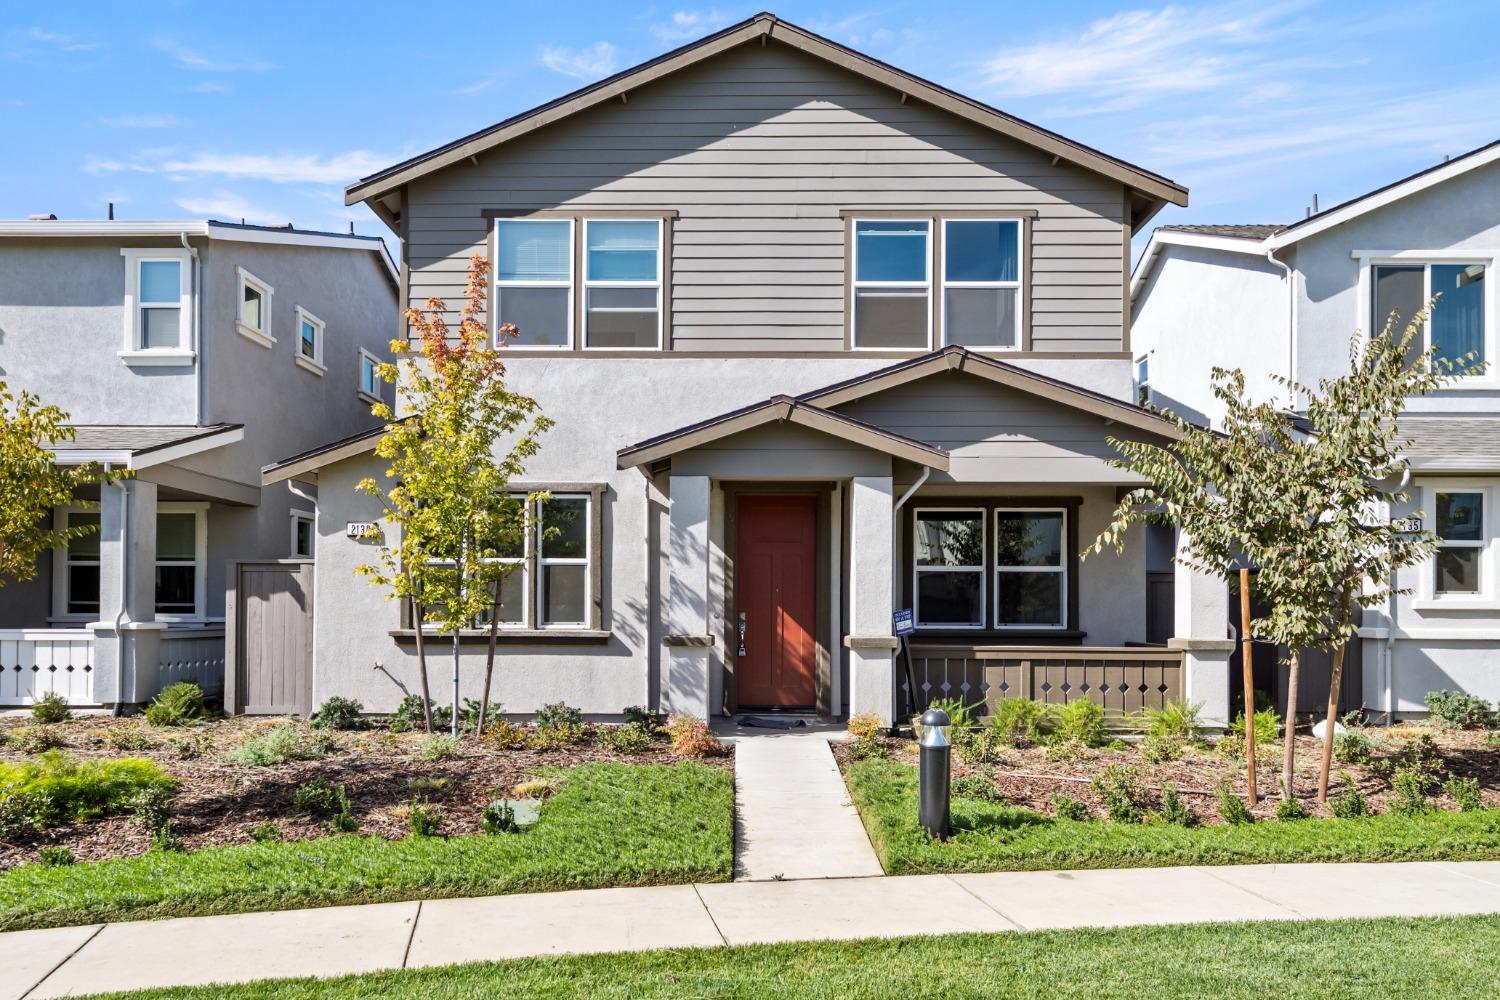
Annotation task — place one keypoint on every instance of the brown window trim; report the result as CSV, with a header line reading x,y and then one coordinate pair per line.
x,y
1028,217
1069,634
578,216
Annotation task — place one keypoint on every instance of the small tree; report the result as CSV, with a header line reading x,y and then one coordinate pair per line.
x,y
465,435
32,483
1301,503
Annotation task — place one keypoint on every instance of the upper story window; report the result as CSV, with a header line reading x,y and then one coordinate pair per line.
x,y
1459,562
1457,325
310,342
622,283
303,533
534,280
982,283
369,376
253,319
158,307
1143,379
892,288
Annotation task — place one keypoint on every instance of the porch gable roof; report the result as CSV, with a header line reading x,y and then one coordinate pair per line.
x,y
140,446
782,409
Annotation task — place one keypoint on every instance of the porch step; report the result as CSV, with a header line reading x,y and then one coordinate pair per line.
x,y
792,814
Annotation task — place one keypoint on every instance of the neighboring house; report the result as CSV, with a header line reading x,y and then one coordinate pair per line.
x,y
191,353
1286,300
822,341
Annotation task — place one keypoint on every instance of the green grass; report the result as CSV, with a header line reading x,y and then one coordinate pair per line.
x,y
1374,959
995,837
609,824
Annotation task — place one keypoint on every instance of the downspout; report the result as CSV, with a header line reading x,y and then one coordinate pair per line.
x,y
197,320
123,615
653,612
895,579
1388,653
1291,323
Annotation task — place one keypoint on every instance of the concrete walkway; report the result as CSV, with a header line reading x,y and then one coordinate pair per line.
x,y
792,814
328,942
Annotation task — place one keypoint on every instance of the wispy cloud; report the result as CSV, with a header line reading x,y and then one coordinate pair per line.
x,y
285,168
141,121
211,87
61,42
211,62
685,25
228,206
599,59
53,49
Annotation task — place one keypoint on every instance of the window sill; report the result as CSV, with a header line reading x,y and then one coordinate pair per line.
x,y
1457,604
372,400
159,358
256,336
310,365
1000,637
514,636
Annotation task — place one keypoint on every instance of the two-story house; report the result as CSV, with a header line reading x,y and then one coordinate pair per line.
x,y
823,341
1285,300
190,353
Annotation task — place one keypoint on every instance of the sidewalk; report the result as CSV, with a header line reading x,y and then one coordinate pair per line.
x,y
341,940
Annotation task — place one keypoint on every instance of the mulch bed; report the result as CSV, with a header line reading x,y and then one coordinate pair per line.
x,y
217,801
1028,778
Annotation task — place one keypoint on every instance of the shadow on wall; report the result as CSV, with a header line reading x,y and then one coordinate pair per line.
x,y
1162,401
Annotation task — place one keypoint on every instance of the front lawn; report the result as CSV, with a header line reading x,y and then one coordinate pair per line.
x,y
608,824
995,836
1375,959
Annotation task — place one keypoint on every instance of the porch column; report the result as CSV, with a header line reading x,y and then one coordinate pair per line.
x,y
127,593
686,688
1202,632
871,558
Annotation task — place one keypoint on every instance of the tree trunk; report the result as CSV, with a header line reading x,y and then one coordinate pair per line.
x,y
416,620
1333,708
1289,745
489,660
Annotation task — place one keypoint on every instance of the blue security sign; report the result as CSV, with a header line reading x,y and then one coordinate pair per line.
x,y
902,622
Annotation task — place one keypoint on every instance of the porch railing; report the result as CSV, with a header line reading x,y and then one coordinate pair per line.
x,y
38,662
192,654
1120,679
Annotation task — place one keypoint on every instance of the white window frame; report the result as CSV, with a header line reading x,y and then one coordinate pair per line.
x,y
61,562
298,518
982,569
543,561
1427,594
571,284
522,563
375,380
1061,569
585,283
1368,260
1142,385
855,284
943,284
260,335
314,364
134,352
199,508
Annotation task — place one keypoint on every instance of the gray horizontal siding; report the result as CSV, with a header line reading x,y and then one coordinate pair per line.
x,y
759,171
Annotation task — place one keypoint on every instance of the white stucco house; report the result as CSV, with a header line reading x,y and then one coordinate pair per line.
x,y
1285,300
822,341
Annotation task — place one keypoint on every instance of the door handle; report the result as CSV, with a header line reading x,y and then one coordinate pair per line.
x,y
742,634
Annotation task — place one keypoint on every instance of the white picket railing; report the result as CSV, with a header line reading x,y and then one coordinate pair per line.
x,y
38,662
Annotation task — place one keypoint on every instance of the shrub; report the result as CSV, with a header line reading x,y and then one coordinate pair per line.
x,y
52,707
648,719
497,818
1174,720
864,727
960,716
1411,785
1232,808
505,735
37,739
1067,807
1267,726
1019,721
179,704
535,788
1080,720
1065,751
1420,753
1465,794
56,788
1350,803
192,747
976,786
1172,809
691,737
127,739
280,745
1289,809
339,713
343,822
557,715
630,738
558,737
265,833
424,820
1353,746
55,856
437,746
974,746
408,715
1122,793
1492,739
1458,710
318,799
866,749
151,808
1161,749
468,718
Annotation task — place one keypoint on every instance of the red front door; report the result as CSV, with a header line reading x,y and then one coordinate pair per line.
x,y
775,587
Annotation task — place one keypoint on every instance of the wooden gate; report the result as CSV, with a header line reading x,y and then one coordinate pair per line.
x,y
269,631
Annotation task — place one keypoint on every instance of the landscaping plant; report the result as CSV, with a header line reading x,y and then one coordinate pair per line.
x,y
1173,811
319,799
151,809
1232,808
1120,789
1176,719
557,715
339,712
1412,785
651,720
691,737
51,707
55,856
1067,807
1019,722
1353,747
56,788
460,439
37,739
425,820
1465,793
284,743
557,737
179,704
505,735
1080,721
437,746
1289,809
630,738
265,833
1459,710
960,716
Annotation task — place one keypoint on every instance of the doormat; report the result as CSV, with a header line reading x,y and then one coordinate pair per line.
x,y
769,722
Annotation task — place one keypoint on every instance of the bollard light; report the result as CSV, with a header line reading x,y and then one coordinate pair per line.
x,y
933,773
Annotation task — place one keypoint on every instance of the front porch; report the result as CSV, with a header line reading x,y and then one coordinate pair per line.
x,y
37,662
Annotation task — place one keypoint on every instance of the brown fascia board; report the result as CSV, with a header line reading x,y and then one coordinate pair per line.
x,y
769,26
782,409
304,467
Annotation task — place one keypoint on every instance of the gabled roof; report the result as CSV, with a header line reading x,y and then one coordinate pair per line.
x,y
140,446
1154,187
1231,230
782,409
305,465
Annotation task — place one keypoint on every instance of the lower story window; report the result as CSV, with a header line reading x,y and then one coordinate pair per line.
x,y
302,534
948,568
179,562
82,578
1461,541
1030,568
552,558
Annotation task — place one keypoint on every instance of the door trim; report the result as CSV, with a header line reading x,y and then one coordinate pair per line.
x,y
823,599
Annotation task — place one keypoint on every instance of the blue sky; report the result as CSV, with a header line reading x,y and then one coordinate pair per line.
x,y
176,109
